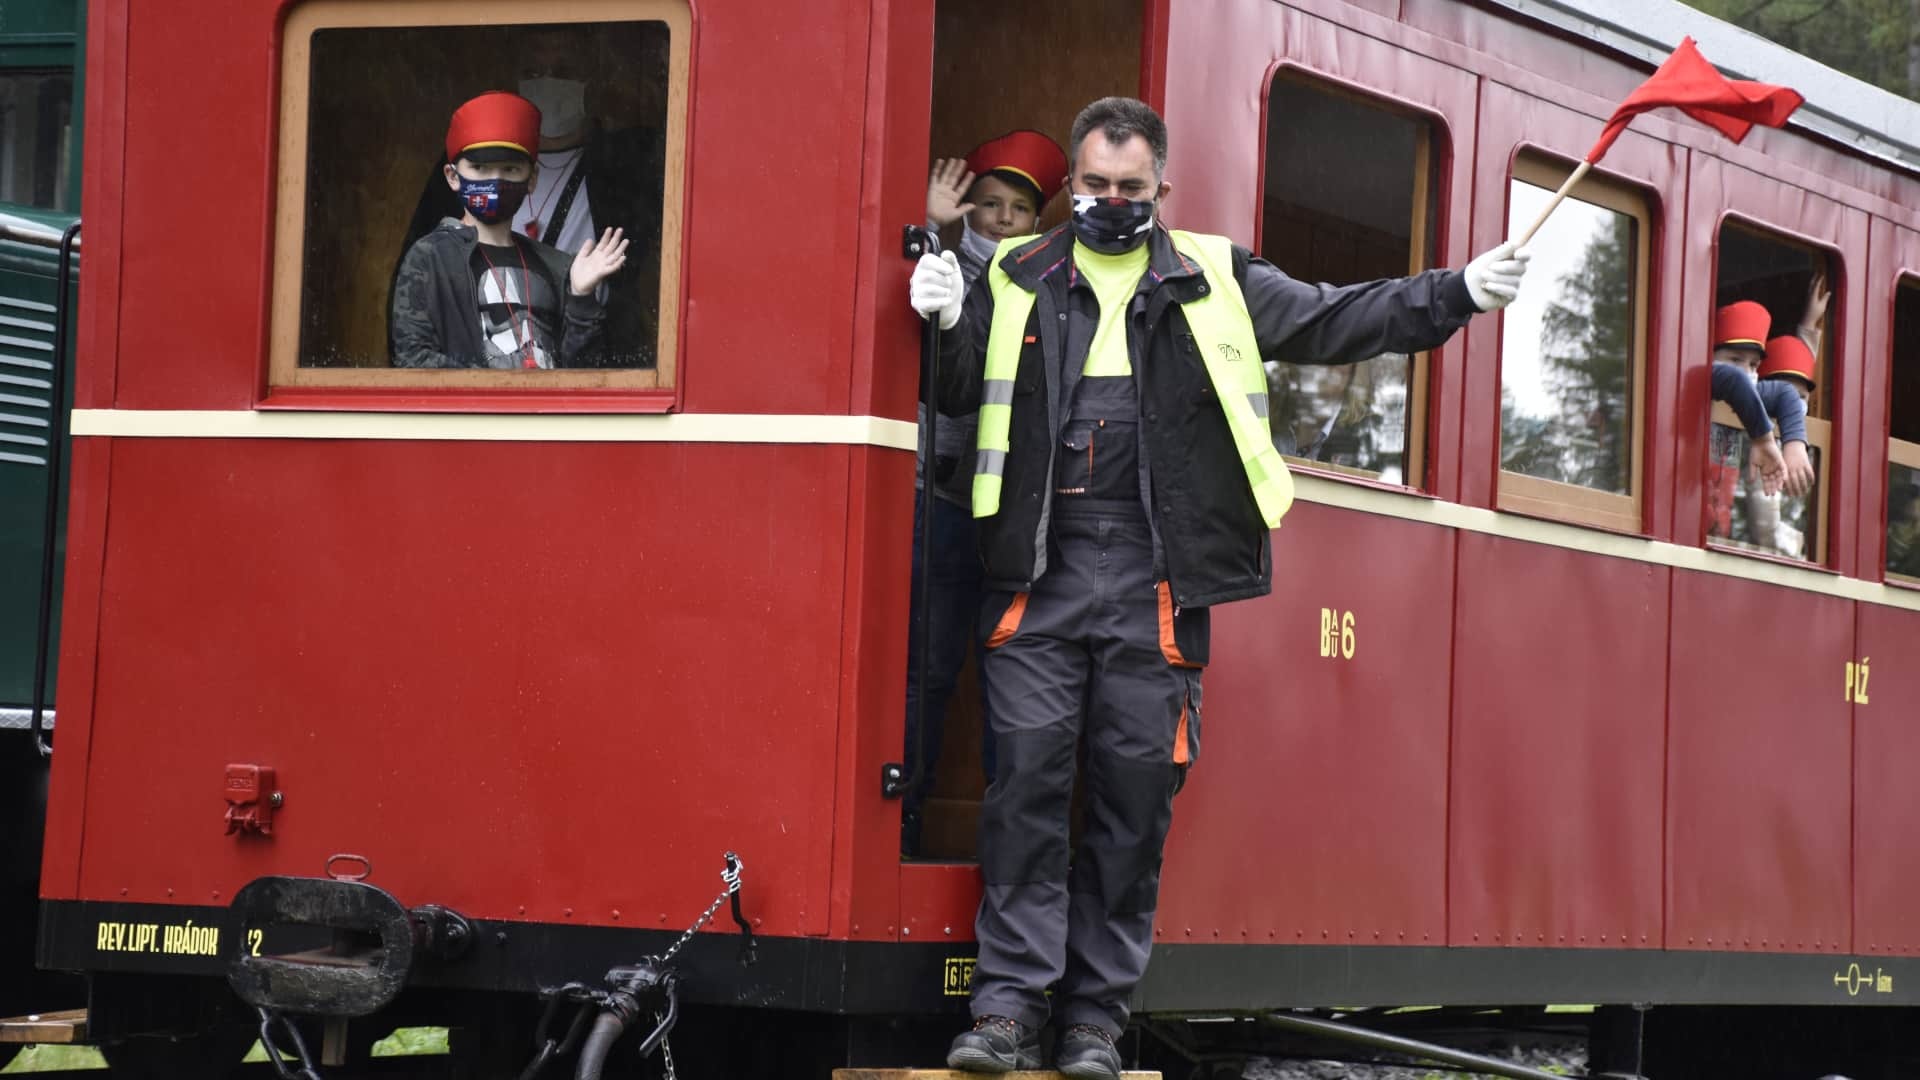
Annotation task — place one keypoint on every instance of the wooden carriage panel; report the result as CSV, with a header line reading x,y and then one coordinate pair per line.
x,y
1759,768
1886,800
1716,193
1227,54
1513,122
1559,698
757,335
1316,813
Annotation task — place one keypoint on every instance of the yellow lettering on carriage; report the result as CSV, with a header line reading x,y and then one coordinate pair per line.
x,y
167,938
1337,638
957,977
1856,691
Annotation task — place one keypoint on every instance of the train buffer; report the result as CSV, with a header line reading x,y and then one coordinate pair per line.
x,y
68,1026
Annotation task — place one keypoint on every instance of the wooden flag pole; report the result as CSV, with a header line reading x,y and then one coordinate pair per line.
x,y
1553,203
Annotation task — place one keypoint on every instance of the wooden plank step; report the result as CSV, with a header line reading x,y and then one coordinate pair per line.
x,y
66,1026
956,1074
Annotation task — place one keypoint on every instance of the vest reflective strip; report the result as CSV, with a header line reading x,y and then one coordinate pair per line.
x,y
1223,331
1011,306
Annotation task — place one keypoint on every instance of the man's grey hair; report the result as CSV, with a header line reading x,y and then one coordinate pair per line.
x,y
1120,119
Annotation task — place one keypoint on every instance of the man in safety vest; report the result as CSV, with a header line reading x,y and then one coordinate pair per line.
x,y
1125,481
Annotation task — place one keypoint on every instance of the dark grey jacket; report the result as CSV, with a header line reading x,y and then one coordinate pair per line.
x,y
433,320
1210,542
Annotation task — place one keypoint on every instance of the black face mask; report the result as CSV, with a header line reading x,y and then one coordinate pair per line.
x,y
1112,226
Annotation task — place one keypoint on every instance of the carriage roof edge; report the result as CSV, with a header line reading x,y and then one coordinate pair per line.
x,y
1839,107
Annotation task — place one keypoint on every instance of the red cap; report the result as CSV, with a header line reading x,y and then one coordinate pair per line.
x,y
1742,325
1788,355
496,120
1026,155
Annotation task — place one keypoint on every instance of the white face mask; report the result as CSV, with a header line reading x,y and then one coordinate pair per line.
x,y
978,245
562,104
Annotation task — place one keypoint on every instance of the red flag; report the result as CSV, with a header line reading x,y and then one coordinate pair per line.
x,y
1687,82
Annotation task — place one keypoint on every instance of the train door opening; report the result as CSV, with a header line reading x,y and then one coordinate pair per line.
x,y
1001,66
1794,282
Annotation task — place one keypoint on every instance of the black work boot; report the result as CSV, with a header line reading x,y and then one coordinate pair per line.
x,y
1088,1053
996,1044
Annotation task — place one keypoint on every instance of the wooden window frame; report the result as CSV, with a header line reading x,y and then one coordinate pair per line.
x,y
632,389
1536,497
1420,375
1899,451
1819,429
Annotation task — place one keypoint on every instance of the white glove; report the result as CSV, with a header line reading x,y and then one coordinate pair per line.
x,y
938,286
1493,279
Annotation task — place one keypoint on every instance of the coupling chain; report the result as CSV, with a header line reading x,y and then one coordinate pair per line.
x,y
300,1067
666,1051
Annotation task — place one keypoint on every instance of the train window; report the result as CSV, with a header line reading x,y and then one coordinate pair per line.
x,y
1349,195
1903,438
1791,281
361,300
1572,353
36,135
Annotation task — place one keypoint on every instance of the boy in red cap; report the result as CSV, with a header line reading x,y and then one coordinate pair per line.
x,y
1739,329
1787,378
471,293
995,193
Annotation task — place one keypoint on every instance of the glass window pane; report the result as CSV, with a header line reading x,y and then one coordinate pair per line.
x,y
1742,515
1349,197
1903,444
1354,417
382,286
1567,347
1903,520
36,132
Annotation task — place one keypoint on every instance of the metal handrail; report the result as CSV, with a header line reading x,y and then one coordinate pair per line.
x,y
66,245
27,231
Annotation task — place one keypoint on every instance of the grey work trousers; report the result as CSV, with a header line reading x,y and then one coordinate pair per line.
x,y
1095,664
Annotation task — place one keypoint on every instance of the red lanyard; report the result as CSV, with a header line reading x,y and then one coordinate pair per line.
x,y
524,336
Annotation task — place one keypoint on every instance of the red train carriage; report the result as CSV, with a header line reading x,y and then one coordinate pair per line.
x,y
1522,722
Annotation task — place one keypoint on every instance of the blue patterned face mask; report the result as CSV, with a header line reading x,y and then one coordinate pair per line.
x,y
492,201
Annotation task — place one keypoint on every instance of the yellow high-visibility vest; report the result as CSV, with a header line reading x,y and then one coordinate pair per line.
x,y
1223,331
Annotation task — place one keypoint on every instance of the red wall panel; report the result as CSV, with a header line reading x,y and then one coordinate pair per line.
x,y
1759,768
1886,803
1558,742
1317,811
758,335
552,676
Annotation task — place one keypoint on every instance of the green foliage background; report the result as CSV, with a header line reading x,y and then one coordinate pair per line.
x,y
1877,41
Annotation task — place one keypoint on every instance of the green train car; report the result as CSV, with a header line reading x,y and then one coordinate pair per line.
x,y
42,45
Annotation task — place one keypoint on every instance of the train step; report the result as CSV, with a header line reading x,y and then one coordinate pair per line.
x,y
68,1026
